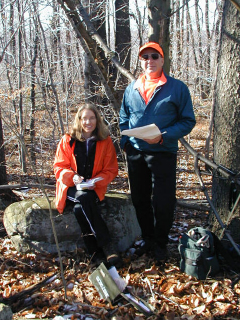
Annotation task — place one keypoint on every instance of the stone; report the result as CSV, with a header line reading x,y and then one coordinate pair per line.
x,y
28,223
5,312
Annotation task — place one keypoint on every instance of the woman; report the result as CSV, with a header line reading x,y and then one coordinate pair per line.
x,y
87,153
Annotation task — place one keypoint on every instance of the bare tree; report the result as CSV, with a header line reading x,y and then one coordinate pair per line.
x,y
208,48
3,171
178,37
33,91
22,155
123,36
159,20
227,121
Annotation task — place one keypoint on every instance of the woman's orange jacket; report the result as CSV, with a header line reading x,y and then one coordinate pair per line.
x,y
105,166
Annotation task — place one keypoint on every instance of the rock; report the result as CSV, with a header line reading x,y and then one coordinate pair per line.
x,y
29,226
5,312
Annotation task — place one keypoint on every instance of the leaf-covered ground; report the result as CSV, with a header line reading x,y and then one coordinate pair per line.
x,y
32,285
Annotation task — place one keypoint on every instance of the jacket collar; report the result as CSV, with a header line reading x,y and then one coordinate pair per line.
x,y
139,84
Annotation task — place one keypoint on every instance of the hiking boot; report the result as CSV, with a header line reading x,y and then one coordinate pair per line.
x,y
160,253
145,247
111,255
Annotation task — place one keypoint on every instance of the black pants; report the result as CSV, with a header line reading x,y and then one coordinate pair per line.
x,y
152,179
88,214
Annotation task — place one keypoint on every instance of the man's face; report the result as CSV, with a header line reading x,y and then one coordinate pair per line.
x,y
152,63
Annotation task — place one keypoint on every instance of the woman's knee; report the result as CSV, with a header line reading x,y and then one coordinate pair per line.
x,y
86,196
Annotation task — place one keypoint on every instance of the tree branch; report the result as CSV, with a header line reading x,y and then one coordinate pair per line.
x,y
236,3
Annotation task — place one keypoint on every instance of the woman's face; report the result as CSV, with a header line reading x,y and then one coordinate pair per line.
x,y
89,122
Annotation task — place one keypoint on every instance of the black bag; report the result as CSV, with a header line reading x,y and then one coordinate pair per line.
x,y
198,255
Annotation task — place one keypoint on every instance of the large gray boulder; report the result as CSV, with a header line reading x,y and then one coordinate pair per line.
x,y
5,312
29,226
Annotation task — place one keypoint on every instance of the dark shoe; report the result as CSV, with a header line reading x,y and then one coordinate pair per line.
x,y
112,256
145,247
160,253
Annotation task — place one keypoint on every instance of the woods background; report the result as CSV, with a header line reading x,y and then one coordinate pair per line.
x,y
55,55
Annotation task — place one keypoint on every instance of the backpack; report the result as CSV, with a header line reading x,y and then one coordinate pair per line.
x,y
198,255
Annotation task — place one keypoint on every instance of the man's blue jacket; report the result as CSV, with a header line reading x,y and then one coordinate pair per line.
x,y
170,108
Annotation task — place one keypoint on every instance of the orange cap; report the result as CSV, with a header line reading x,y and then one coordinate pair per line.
x,y
153,45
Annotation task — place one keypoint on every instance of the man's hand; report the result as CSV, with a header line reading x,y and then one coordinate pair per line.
x,y
155,140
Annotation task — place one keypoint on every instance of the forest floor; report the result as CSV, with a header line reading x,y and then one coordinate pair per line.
x,y
31,283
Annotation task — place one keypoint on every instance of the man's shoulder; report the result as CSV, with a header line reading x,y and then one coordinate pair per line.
x,y
129,89
131,84
175,81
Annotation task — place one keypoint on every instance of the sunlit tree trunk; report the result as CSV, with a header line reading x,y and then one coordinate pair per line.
x,y
192,38
201,72
50,72
11,60
33,93
69,59
187,49
139,19
183,47
217,28
178,53
208,48
3,172
22,156
60,53
54,38
226,139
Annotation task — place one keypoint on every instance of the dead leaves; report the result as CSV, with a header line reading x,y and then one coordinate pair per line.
x,y
174,295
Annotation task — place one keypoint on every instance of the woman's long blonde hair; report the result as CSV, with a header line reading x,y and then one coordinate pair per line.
x,y
101,132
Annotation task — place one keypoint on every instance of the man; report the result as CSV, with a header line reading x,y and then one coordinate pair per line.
x,y
160,99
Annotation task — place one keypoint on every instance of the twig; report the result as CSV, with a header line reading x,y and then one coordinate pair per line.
x,y
28,291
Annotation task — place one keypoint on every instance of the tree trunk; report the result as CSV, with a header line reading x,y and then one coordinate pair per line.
x,y
198,35
208,51
54,38
22,155
227,119
89,39
187,49
3,172
94,9
33,96
159,20
193,42
50,71
69,60
123,41
60,53
178,54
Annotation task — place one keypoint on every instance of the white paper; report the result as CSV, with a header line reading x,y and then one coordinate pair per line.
x,y
87,184
142,305
150,131
120,282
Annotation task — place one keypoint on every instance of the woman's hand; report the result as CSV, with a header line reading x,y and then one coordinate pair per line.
x,y
77,179
92,187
